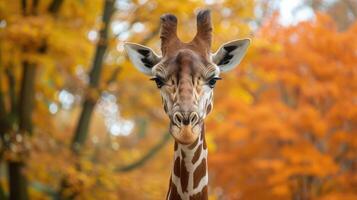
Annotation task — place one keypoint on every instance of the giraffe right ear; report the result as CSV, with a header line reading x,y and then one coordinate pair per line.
x,y
230,54
142,57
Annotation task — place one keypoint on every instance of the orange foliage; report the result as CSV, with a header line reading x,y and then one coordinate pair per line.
x,y
296,138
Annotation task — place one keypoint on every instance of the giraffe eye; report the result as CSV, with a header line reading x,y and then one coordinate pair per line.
x,y
159,81
212,81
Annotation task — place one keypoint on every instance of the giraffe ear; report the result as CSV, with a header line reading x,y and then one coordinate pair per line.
x,y
142,57
230,54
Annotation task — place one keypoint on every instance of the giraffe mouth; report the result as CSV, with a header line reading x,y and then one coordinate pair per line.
x,y
186,134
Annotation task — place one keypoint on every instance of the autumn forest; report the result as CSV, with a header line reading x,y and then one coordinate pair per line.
x,y
79,122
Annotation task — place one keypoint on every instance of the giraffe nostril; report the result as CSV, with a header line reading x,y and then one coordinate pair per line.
x,y
194,118
177,119
185,119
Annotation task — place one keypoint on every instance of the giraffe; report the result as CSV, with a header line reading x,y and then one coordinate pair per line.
x,y
186,74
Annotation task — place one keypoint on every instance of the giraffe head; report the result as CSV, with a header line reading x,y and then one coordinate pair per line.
x,y
186,73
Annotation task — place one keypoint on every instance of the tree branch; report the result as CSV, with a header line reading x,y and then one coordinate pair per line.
x,y
151,153
45,189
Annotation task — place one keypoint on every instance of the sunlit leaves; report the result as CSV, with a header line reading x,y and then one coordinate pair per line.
x,y
297,138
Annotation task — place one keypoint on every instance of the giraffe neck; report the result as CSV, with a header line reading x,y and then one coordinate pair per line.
x,y
189,177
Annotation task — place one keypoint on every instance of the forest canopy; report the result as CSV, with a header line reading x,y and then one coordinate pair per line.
x,y
77,121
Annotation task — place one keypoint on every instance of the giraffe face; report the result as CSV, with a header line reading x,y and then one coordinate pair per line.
x,y
186,73
186,81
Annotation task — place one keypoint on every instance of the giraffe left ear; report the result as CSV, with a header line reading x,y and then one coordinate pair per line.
x,y
142,57
230,54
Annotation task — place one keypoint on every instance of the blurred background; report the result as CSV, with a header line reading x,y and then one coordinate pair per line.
x,y
77,121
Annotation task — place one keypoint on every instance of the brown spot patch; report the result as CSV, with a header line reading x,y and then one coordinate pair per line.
x,y
168,192
193,144
174,195
177,167
209,108
176,146
201,195
165,107
183,176
199,173
197,154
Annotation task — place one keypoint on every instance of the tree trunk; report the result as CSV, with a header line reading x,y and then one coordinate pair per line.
x,y
81,130
55,6
2,193
26,96
17,180
23,110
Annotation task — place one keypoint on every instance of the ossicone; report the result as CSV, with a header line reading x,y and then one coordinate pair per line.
x,y
204,29
168,31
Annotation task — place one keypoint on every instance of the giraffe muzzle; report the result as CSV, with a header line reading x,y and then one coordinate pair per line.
x,y
185,127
